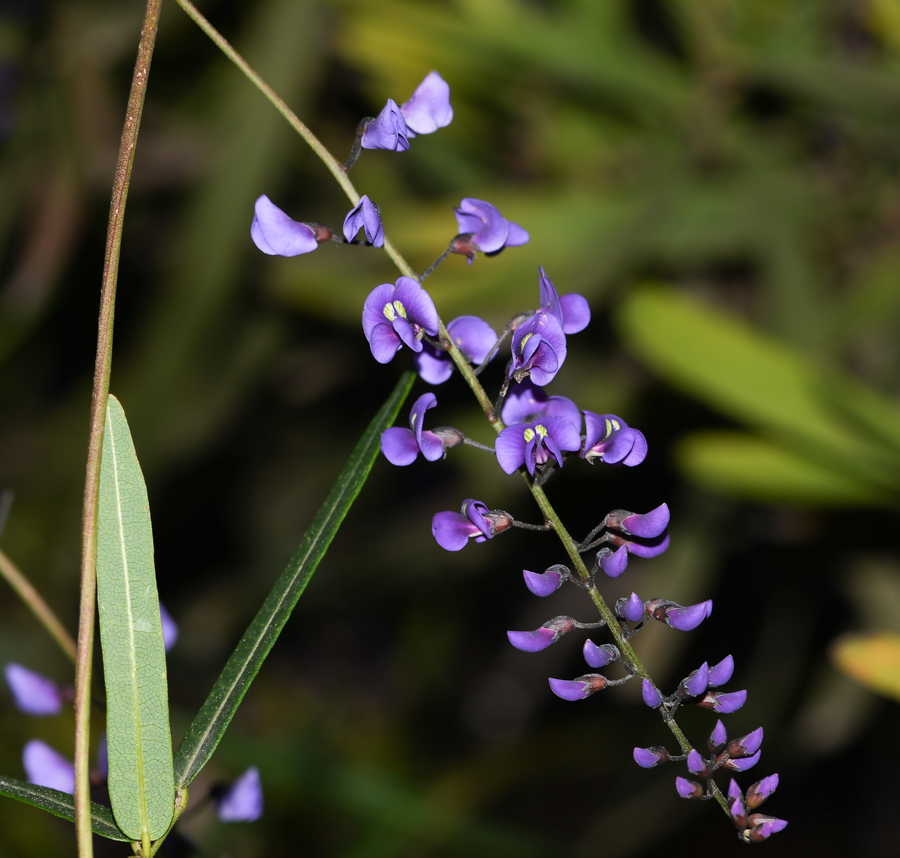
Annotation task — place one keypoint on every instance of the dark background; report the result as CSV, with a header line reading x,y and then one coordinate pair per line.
x,y
745,154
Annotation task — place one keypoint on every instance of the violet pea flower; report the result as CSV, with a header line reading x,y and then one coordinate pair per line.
x,y
428,107
365,215
402,446
490,232
546,583
33,694
394,316
533,444
46,767
169,628
527,401
612,440
453,530
578,688
541,638
242,801
538,350
572,311
276,234
387,130
473,336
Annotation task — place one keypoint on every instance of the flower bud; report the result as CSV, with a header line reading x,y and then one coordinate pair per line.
x,y
687,619
695,684
717,738
648,525
545,583
599,656
746,745
631,609
697,765
541,638
449,436
743,764
761,790
688,789
723,702
613,563
320,232
647,758
33,694
763,827
651,696
720,673
578,688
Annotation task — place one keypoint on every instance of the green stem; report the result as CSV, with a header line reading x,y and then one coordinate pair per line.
x,y
462,363
102,369
27,593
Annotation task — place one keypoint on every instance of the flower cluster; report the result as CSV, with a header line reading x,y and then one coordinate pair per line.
x,y
537,434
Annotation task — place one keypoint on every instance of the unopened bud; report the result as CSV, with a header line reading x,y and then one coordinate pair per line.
x,y
744,746
541,638
631,609
744,763
720,673
647,758
545,583
613,563
651,696
723,702
599,656
578,688
761,790
695,684
697,765
648,525
320,232
688,789
717,738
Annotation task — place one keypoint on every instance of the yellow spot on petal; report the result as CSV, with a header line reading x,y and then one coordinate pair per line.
x,y
616,425
541,430
528,434
401,310
389,313
525,339
608,429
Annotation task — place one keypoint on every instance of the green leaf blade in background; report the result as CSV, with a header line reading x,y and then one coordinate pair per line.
x,y
215,715
872,659
141,780
61,804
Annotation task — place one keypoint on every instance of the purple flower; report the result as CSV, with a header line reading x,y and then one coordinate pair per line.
x,y
243,800
695,763
743,764
546,583
527,401
744,746
678,617
761,790
169,628
541,638
490,232
763,827
646,525
630,608
571,311
578,688
533,444
647,758
366,215
45,767
33,694
475,339
453,531
717,738
613,563
610,439
429,106
734,791
273,232
538,350
402,446
697,682
387,131
720,673
599,656
722,702
651,696
394,316
688,789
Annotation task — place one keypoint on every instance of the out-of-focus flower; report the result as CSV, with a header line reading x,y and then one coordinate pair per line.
x,y
367,216
243,800
397,316
387,130
169,628
275,233
33,694
428,107
483,228
572,311
473,336
48,768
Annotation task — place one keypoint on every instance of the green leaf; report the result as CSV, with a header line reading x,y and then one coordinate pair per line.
x,y
215,715
60,804
872,659
758,469
141,780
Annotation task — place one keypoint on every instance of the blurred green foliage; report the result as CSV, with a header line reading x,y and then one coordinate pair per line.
x,y
743,152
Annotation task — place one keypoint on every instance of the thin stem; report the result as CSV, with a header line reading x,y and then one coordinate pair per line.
x,y
435,264
540,528
98,416
27,593
469,442
6,501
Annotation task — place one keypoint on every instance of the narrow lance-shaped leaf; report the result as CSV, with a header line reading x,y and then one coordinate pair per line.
x,y
216,713
60,804
141,781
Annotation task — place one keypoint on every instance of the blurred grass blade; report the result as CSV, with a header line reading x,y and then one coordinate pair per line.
x,y
760,470
216,713
141,781
61,804
872,659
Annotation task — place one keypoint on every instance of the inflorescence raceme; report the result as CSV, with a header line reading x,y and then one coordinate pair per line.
x,y
536,435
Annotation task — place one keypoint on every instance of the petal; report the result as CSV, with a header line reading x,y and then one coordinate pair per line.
x,y
452,530
516,235
492,234
243,801
743,764
417,412
533,641
371,218
549,296
387,130
432,446
559,406
687,619
720,673
638,451
33,694
429,106
576,313
613,563
433,366
399,446
404,330
645,758
417,303
570,689
655,548
474,336
510,447
525,402
384,343
562,432
651,696
597,656
373,310
543,583
169,628
647,525
273,232
45,767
